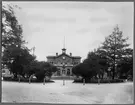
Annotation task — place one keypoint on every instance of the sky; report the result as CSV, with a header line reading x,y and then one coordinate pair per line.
x,y
83,24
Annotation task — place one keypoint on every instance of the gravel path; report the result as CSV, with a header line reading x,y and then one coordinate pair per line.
x,y
71,93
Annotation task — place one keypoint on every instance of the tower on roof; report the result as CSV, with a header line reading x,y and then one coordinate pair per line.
x,y
64,49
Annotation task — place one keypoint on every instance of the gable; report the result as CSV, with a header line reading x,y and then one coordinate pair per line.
x,y
63,58
64,55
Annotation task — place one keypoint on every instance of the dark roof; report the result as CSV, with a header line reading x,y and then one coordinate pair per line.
x,y
63,54
50,56
74,57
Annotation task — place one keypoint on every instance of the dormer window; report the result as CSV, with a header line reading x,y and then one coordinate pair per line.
x,y
63,57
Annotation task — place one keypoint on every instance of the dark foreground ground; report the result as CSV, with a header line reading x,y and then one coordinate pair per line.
x,y
70,93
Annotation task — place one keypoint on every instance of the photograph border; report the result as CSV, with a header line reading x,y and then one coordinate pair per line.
x,y
66,1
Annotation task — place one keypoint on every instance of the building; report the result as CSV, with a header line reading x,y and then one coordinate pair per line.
x,y
64,63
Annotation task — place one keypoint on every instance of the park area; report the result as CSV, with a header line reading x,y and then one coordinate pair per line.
x,y
70,93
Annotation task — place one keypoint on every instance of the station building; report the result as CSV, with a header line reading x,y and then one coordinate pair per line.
x,y
64,62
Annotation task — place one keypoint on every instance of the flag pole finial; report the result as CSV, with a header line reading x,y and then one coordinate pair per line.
x,y
64,42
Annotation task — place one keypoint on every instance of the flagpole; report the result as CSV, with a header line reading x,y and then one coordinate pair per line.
x,y
33,50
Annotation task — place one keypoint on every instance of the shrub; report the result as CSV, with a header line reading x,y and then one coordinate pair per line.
x,y
7,78
101,81
25,80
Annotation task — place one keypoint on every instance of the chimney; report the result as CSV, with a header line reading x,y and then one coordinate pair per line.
x,y
70,54
56,54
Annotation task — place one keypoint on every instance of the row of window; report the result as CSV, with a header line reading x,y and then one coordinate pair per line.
x,y
74,63
64,72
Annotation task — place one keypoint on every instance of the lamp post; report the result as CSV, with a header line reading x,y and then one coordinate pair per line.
x,y
19,78
44,81
109,69
83,81
44,77
98,79
63,73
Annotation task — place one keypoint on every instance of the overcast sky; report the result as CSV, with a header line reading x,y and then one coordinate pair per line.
x,y
84,25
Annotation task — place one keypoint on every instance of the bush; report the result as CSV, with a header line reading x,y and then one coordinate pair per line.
x,y
7,78
101,81
24,80
123,77
130,78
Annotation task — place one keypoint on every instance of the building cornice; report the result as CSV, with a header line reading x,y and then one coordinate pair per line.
x,y
73,57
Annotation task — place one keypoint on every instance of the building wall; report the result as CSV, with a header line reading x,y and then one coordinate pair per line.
x,y
68,61
60,60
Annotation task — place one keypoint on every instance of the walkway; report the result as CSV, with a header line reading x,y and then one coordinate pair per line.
x,y
71,93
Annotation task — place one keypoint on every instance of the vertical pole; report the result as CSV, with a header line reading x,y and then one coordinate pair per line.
x,y
29,79
83,81
98,81
19,78
64,42
63,82
44,82
33,50
109,77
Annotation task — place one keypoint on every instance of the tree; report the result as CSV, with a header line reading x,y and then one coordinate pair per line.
x,y
94,64
32,68
44,69
125,66
17,59
11,31
115,45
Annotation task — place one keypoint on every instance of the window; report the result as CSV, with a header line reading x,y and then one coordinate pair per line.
x,y
58,72
3,71
63,57
68,72
63,71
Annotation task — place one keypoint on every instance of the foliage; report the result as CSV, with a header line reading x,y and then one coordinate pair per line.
x,y
43,69
101,81
15,55
16,59
11,29
125,67
93,65
115,46
22,79
114,51
12,39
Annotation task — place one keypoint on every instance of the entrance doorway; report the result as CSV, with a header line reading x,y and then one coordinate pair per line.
x,y
68,72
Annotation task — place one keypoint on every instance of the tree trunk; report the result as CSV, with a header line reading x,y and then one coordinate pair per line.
x,y
15,75
113,72
102,75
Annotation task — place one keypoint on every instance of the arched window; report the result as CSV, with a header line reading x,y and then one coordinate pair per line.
x,y
3,71
63,71
68,72
58,72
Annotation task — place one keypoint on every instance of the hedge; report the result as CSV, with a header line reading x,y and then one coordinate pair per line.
x,y
23,79
101,81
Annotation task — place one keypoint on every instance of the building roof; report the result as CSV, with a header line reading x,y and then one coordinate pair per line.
x,y
73,57
64,53
50,56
